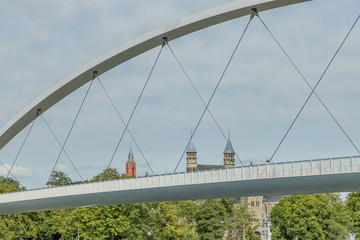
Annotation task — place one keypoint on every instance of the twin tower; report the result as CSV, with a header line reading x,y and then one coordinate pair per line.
x,y
191,159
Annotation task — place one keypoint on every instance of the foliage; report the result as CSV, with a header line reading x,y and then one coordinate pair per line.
x,y
58,178
310,216
9,185
62,224
353,205
101,222
211,217
140,219
166,225
187,212
20,226
242,218
106,175
250,235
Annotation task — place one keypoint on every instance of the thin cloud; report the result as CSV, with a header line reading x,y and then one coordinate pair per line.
x,y
17,171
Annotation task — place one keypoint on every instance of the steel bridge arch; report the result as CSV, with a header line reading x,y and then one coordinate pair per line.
x,y
130,50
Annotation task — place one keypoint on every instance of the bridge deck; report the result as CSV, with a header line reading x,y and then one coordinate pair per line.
x,y
311,176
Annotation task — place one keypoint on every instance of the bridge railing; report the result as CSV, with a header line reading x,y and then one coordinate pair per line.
x,y
261,171
304,168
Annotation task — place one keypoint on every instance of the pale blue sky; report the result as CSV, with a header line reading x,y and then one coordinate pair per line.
x,y
41,42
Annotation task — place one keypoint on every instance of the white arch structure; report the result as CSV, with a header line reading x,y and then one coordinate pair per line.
x,y
132,49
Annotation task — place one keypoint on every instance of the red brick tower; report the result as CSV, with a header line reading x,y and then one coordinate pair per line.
x,y
130,165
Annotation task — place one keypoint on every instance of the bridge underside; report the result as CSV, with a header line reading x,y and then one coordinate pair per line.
x,y
272,186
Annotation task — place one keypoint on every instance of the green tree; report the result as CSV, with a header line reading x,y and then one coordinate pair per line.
x,y
105,222
242,218
58,178
353,205
187,211
21,226
166,218
141,221
310,216
9,185
210,219
106,175
62,224
250,235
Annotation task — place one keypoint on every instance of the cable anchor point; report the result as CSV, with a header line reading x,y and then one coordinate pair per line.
x,y
38,112
254,12
164,41
95,74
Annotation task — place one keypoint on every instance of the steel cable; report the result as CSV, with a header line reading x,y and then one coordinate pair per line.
x,y
57,140
313,89
21,147
71,128
308,84
122,120
133,111
207,105
202,100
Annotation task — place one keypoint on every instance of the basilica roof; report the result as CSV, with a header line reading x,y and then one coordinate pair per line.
x,y
202,167
229,148
191,147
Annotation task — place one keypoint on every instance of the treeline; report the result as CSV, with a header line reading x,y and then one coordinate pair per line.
x,y
305,216
197,219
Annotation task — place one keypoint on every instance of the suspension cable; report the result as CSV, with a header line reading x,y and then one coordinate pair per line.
x,y
7,170
202,100
122,120
21,147
312,91
137,102
308,84
71,128
207,105
57,140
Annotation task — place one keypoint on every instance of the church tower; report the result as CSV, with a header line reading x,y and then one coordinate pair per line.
x,y
130,165
191,159
229,155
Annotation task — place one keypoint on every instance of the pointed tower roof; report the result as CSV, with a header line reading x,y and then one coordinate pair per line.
x,y
229,148
191,147
131,156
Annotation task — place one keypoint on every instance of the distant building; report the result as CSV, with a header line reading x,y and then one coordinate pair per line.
x,y
191,159
130,170
260,205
